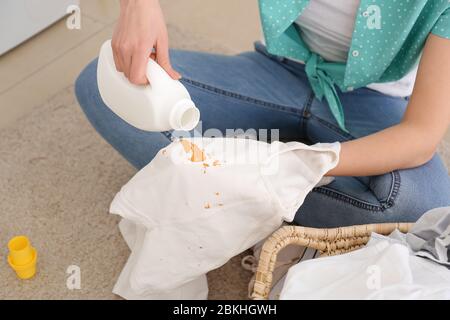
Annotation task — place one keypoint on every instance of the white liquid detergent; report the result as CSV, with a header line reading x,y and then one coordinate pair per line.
x,y
163,105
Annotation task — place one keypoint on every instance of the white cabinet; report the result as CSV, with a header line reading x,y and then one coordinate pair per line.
x,y
21,19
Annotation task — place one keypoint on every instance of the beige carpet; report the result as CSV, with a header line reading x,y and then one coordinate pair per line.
x,y
57,179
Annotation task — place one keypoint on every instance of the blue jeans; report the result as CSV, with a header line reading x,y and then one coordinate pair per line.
x,y
256,90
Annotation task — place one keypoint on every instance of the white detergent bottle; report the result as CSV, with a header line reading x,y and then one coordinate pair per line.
x,y
163,105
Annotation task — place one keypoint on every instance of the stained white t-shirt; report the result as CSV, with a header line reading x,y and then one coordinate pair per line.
x,y
326,26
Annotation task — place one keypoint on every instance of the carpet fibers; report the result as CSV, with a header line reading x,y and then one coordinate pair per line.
x,y
57,179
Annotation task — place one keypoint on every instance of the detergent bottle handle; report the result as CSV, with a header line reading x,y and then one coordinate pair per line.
x,y
156,75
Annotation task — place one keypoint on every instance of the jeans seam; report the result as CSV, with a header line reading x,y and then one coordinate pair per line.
x,y
386,204
348,199
331,126
306,114
218,91
395,189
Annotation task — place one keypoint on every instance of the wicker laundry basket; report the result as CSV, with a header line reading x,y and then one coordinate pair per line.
x,y
328,241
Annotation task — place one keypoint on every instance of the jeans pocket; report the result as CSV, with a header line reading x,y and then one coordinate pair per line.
x,y
386,187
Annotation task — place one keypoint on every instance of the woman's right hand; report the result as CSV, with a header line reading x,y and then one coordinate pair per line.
x,y
140,29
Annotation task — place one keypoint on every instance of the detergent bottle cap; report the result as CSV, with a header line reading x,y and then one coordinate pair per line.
x,y
22,257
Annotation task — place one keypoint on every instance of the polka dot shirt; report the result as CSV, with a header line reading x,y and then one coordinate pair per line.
x,y
387,41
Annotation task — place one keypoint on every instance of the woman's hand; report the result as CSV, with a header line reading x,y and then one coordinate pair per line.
x,y
140,29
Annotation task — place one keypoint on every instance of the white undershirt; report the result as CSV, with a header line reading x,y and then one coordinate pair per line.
x,y
326,26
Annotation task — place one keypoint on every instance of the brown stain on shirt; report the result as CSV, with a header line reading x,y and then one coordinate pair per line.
x,y
197,154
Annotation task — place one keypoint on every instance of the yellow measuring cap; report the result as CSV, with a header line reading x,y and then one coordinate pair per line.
x,y
22,257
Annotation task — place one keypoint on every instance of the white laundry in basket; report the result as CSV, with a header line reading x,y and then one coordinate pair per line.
x,y
201,201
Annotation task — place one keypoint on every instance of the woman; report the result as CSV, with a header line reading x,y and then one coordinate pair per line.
x,y
329,71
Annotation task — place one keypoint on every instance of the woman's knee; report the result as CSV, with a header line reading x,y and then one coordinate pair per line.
x,y
90,101
137,146
422,189
86,83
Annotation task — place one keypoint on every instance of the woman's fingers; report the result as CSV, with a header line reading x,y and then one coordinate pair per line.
x,y
162,57
132,61
126,52
140,23
115,48
117,61
138,68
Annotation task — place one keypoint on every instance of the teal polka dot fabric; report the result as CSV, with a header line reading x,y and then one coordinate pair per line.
x,y
387,41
